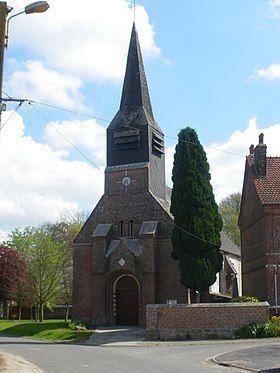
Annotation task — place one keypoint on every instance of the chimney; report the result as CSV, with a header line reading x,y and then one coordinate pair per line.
x,y
260,158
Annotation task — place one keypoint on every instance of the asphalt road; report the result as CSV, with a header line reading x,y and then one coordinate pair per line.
x,y
59,358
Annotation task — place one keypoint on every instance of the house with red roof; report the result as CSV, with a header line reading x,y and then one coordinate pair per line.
x,y
259,223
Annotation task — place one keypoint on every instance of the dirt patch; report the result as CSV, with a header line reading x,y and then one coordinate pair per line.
x,y
12,364
3,363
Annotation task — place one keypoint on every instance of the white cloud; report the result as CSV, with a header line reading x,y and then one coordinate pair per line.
x,y
32,80
88,135
52,57
272,72
274,3
275,7
3,236
70,46
169,159
227,160
38,183
88,39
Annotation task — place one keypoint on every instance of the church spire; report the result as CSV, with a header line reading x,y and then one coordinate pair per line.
x,y
135,92
134,139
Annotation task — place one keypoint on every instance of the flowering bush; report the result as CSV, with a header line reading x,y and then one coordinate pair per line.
x,y
276,320
13,276
245,299
268,329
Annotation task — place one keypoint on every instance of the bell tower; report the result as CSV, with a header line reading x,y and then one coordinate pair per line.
x,y
122,255
135,142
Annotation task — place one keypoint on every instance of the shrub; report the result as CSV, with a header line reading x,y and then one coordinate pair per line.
x,y
244,299
276,319
78,325
268,329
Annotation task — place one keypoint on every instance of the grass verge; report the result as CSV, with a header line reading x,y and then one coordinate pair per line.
x,y
51,330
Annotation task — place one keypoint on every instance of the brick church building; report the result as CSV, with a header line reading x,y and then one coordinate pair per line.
x,y
122,255
259,223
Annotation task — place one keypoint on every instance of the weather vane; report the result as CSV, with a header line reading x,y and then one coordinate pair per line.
x,y
134,10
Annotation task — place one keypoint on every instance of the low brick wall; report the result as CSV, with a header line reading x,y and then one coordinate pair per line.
x,y
203,320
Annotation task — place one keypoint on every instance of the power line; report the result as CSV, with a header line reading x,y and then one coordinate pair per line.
x,y
195,236
32,103
205,146
65,138
19,105
69,111
10,99
2,126
108,121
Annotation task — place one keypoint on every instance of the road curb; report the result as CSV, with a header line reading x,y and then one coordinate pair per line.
x,y
233,365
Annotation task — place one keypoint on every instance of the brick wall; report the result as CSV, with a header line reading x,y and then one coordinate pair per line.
x,y
168,277
261,254
95,273
82,278
139,181
183,321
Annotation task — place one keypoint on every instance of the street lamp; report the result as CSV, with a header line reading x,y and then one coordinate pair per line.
x,y
37,7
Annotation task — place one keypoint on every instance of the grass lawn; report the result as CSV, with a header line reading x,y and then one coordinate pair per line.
x,y
52,330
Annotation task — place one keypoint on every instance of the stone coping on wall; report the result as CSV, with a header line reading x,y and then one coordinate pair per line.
x,y
207,305
202,320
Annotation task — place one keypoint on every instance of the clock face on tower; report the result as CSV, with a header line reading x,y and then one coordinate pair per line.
x,y
126,181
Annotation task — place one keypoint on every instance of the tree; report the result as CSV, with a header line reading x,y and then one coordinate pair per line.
x,y
47,251
229,209
14,280
64,232
66,295
45,261
196,233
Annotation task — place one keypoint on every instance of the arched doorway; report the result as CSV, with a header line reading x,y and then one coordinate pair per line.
x,y
127,300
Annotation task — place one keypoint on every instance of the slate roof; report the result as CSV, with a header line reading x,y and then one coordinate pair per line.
x,y
133,245
135,100
268,187
149,227
101,230
135,88
227,246
166,203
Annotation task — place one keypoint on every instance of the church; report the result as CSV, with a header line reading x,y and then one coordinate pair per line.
x,y
122,255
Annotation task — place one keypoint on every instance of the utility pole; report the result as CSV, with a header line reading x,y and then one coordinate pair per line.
x,y
4,10
37,7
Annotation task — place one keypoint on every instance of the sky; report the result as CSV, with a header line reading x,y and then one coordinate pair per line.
x,y
212,65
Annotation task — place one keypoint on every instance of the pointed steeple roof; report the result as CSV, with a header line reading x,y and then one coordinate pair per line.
x,y
134,139
135,92
135,107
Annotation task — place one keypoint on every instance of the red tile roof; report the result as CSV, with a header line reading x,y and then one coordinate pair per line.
x,y
268,187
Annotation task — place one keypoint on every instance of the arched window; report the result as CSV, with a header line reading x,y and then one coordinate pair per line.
x,y
120,228
130,228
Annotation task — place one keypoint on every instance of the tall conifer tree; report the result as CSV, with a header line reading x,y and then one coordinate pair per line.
x,y
196,235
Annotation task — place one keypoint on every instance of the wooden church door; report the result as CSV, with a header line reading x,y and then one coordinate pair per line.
x,y
127,301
